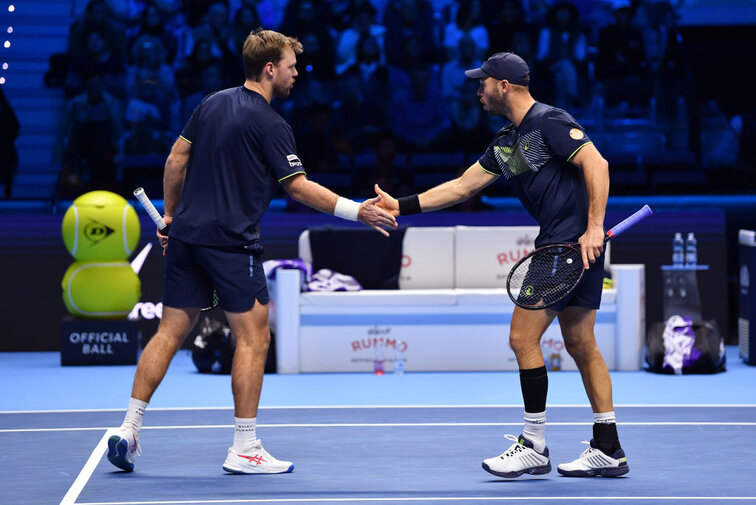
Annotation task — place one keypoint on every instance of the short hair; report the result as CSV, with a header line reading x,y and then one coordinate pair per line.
x,y
263,46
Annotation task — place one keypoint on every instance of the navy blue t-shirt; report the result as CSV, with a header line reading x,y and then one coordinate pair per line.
x,y
240,150
534,158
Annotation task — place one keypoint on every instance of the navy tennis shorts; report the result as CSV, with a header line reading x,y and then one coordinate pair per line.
x,y
193,271
588,293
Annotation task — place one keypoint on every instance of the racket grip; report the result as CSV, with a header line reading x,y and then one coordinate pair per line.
x,y
151,210
628,222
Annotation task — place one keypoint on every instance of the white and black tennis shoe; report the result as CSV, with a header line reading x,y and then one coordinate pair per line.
x,y
520,458
595,463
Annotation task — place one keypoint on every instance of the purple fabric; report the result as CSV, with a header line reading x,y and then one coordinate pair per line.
x,y
679,338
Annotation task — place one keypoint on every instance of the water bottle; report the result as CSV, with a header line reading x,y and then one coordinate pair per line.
x,y
678,250
399,359
691,250
379,356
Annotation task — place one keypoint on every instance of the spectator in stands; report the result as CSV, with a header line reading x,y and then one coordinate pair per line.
x,y
8,133
98,58
363,27
621,61
211,82
453,72
358,115
417,120
189,75
97,18
469,125
152,28
410,19
91,131
386,171
315,140
215,30
664,55
303,22
467,23
152,101
562,52
373,73
508,18
246,19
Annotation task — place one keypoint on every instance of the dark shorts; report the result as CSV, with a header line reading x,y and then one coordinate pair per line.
x,y
193,271
588,293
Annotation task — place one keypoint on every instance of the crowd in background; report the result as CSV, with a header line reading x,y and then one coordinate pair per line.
x,y
376,76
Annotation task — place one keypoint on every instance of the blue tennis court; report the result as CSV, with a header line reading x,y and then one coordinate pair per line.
x,y
358,438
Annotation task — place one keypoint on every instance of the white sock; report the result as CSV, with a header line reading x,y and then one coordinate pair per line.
x,y
535,429
245,434
134,415
604,418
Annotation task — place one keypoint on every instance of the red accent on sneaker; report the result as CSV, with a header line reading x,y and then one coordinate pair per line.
x,y
133,449
253,459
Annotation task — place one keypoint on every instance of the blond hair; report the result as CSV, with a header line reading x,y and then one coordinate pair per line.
x,y
263,46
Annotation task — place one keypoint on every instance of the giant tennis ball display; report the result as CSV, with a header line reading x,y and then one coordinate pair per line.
x,y
101,289
100,225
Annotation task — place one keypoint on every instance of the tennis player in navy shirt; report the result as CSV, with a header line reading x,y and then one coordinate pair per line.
x,y
563,181
219,178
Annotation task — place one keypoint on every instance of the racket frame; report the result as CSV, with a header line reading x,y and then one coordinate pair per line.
x,y
620,227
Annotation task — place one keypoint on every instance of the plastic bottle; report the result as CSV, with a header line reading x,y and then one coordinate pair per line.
x,y
379,356
399,359
678,250
691,250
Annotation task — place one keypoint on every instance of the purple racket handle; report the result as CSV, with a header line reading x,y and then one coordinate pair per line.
x,y
628,222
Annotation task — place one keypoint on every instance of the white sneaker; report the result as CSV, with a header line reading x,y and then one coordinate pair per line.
x,y
123,449
594,463
520,458
258,460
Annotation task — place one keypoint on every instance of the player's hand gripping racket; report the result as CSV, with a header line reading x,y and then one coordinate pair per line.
x,y
163,228
549,274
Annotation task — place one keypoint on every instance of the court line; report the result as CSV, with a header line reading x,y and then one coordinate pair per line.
x,y
357,407
86,472
432,499
382,425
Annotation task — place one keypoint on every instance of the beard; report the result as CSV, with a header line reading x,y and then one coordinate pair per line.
x,y
281,91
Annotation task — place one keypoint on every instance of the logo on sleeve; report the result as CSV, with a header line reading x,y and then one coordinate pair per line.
x,y
294,161
576,133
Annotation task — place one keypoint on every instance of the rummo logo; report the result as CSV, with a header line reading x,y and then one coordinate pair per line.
x,y
512,256
378,335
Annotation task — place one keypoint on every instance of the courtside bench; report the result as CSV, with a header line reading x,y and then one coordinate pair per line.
x,y
451,313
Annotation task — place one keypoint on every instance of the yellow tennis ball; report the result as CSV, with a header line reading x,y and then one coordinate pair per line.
x,y
101,289
100,225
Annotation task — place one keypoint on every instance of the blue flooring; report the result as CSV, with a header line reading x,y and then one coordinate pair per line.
x,y
358,438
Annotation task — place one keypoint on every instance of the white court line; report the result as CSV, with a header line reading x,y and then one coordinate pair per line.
x,y
382,425
86,471
356,407
432,499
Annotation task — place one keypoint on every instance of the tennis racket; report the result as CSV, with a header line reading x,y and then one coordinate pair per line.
x,y
549,274
158,220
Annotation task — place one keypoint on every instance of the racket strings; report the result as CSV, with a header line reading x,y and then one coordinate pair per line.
x,y
546,277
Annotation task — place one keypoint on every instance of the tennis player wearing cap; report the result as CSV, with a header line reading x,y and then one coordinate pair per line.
x,y
554,169
219,178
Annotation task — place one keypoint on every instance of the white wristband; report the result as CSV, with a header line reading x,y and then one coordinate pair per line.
x,y
346,209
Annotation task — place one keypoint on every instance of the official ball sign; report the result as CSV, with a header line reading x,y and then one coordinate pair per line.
x,y
98,342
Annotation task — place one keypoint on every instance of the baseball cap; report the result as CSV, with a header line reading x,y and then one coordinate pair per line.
x,y
502,66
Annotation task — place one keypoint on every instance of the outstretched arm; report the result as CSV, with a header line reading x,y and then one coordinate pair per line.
x,y
323,199
596,172
439,197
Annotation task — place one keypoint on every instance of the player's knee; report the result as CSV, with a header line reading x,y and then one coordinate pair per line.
x,y
519,342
